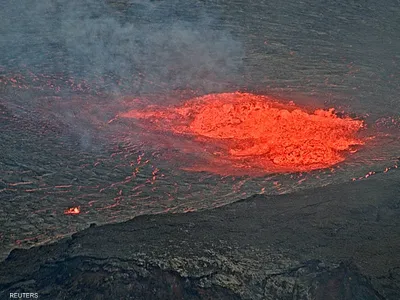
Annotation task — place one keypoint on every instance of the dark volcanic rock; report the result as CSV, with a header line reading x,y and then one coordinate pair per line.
x,y
336,242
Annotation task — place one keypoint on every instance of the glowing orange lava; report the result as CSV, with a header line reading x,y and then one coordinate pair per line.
x,y
259,131
72,211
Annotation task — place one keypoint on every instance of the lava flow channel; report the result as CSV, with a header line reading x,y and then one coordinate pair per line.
x,y
254,131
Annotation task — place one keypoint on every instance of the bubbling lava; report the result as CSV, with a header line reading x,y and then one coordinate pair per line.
x,y
255,131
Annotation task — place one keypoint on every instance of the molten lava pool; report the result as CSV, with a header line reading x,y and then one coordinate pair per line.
x,y
254,131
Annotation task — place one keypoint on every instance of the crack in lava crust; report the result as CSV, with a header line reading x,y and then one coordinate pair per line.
x,y
257,132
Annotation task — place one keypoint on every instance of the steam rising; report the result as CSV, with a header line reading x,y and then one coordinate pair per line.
x,y
100,39
150,47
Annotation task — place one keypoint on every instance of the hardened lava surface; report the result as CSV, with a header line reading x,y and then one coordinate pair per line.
x,y
76,156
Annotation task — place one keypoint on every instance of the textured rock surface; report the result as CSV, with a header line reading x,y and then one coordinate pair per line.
x,y
58,86
336,242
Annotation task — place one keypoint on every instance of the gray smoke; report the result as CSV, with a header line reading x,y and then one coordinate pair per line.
x,y
159,46
169,43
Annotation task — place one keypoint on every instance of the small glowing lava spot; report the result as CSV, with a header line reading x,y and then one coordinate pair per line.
x,y
257,132
72,210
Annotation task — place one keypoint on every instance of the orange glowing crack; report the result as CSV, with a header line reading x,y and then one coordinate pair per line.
x,y
260,131
72,211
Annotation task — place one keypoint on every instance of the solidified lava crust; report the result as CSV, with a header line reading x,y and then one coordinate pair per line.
x,y
259,131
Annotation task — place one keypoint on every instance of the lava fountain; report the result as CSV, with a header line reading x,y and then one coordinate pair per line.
x,y
255,132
